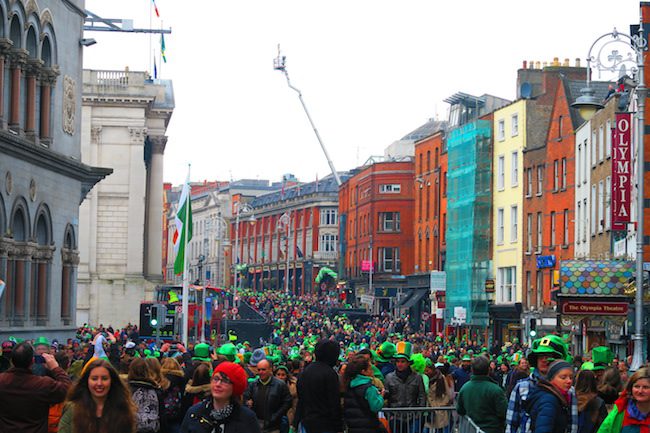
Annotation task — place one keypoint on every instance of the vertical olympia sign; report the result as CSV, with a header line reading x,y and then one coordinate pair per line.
x,y
621,171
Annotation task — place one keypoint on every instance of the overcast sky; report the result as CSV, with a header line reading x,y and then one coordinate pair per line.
x,y
370,70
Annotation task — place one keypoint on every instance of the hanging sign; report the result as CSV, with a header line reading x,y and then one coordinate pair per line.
x,y
621,171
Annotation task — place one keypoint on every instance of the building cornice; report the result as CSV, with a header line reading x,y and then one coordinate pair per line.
x,y
46,158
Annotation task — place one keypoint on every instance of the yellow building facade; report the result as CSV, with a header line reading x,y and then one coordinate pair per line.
x,y
507,206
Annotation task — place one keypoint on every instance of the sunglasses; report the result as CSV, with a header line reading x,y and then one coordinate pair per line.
x,y
222,379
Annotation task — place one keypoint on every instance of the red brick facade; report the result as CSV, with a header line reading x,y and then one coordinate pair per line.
x,y
430,203
377,204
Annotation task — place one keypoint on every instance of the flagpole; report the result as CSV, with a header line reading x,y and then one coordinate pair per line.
x,y
186,288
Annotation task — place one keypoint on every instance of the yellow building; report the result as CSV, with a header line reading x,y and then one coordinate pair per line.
x,y
507,220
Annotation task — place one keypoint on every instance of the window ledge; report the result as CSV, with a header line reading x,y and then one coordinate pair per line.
x,y
552,248
539,194
565,246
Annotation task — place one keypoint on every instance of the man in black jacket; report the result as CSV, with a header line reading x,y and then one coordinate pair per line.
x,y
319,395
269,398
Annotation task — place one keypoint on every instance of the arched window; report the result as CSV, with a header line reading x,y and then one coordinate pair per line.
x,y
18,59
18,260
48,78
32,71
70,257
41,266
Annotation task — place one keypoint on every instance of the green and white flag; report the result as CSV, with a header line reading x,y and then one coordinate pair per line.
x,y
183,228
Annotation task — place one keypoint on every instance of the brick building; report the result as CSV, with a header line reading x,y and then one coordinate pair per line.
x,y
549,192
297,226
376,204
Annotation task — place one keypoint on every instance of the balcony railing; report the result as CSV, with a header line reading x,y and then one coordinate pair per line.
x,y
325,255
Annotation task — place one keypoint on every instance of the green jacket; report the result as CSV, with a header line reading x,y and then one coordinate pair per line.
x,y
614,421
65,423
375,401
484,402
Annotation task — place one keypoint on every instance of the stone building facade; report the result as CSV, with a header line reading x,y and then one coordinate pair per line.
x,y
125,117
42,177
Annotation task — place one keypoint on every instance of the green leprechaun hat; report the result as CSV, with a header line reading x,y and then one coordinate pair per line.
x,y
386,352
602,357
404,350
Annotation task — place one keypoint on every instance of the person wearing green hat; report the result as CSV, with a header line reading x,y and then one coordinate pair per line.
x,y
404,387
229,351
544,351
462,375
383,357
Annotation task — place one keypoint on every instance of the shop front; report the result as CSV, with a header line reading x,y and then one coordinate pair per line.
x,y
593,304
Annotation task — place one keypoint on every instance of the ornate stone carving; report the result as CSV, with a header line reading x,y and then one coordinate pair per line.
x,y
95,134
158,143
69,104
9,183
33,67
70,256
43,252
49,75
18,58
32,190
5,46
137,135
46,18
30,8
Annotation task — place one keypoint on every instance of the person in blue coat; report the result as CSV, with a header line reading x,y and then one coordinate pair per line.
x,y
549,402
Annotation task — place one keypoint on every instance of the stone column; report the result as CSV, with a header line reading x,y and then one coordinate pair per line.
x,y
154,264
48,78
18,59
32,69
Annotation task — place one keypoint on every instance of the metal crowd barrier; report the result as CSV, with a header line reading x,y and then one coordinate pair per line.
x,y
417,419
466,425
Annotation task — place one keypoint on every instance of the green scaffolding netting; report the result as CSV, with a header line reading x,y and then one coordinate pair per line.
x,y
469,181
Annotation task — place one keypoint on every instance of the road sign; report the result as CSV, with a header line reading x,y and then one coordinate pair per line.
x,y
425,315
179,309
235,311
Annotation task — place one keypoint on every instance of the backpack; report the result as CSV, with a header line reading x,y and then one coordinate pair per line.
x,y
147,416
172,403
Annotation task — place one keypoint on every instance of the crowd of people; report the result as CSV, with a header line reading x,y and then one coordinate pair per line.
x,y
317,373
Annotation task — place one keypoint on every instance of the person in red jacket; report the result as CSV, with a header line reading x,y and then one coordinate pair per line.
x,y
24,397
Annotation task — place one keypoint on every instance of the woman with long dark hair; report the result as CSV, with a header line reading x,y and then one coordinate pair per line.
x,y
439,395
98,403
197,388
591,408
361,399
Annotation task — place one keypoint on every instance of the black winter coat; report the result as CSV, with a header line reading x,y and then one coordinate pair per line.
x,y
198,420
277,403
356,411
549,410
319,402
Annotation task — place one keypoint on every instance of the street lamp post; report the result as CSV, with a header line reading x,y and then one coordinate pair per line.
x,y
285,223
587,105
241,207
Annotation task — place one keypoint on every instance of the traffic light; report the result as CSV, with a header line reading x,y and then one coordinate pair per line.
x,y
533,326
157,315
153,321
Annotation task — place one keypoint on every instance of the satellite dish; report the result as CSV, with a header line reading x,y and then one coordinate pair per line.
x,y
526,90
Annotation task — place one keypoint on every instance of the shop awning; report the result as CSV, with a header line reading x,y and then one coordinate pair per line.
x,y
414,297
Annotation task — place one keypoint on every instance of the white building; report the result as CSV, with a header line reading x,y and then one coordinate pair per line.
x,y
125,117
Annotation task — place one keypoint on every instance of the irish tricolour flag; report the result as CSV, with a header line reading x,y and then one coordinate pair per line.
x,y
183,228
